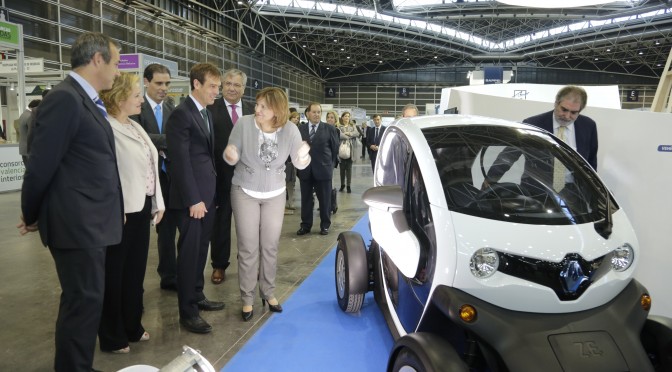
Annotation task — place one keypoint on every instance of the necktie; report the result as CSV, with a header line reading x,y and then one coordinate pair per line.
x,y
204,114
159,117
312,130
375,138
234,114
101,106
558,168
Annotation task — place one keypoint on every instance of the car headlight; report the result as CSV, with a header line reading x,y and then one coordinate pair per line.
x,y
484,263
622,257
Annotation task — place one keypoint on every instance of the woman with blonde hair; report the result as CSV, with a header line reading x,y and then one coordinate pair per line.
x,y
258,148
125,263
346,150
332,117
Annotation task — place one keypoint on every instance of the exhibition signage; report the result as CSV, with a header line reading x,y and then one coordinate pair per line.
x,y
29,65
633,96
9,34
330,92
11,168
493,75
136,62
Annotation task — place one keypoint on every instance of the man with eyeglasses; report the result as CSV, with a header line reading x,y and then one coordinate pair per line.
x,y
225,113
567,123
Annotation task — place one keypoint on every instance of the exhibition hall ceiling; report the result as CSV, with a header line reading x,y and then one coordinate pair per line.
x,y
346,38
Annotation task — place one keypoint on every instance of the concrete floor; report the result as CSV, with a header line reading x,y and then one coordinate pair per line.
x,y
29,293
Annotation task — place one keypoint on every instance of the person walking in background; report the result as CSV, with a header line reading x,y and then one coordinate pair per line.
x,y
362,131
258,147
72,189
190,138
24,124
323,140
126,262
373,135
290,171
225,113
346,151
567,123
154,114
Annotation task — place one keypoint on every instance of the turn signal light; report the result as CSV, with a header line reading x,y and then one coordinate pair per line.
x,y
467,313
645,301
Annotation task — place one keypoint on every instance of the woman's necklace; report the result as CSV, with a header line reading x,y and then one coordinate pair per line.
x,y
268,147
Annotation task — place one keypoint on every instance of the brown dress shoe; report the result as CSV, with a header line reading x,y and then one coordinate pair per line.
x,y
218,276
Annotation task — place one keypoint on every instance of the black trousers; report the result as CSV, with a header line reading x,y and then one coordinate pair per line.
x,y
323,192
220,247
166,231
192,253
125,267
81,273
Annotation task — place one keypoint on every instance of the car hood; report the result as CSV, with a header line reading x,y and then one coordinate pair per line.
x,y
549,243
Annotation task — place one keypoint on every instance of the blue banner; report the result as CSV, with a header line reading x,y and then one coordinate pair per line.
x,y
493,75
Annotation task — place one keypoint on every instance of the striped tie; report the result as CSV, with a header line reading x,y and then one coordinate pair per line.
x,y
101,106
312,131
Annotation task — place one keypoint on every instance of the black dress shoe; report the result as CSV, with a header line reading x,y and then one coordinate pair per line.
x,y
324,231
247,315
303,231
349,190
342,188
207,305
196,325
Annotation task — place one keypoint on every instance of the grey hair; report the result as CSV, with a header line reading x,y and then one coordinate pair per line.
x,y
235,72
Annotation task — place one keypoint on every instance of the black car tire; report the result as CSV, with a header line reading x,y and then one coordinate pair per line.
x,y
351,271
424,352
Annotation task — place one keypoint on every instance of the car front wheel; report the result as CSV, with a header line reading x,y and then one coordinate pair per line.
x,y
352,271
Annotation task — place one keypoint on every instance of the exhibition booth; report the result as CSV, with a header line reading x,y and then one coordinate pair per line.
x,y
634,158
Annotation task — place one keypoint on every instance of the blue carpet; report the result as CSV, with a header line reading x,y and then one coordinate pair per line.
x,y
313,333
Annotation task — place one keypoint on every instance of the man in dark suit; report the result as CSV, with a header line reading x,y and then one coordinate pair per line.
x,y
373,136
190,138
225,114
579,131
72,194
153,117
323,140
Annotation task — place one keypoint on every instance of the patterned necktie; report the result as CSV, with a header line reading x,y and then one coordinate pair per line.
x,y
558,168
159,117
234,114
204,114
375,138
312,131
100,106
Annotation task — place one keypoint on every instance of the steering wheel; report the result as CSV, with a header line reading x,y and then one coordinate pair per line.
x,y
510,196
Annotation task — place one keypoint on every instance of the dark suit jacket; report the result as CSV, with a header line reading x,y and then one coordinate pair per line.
x,y
585,131
148,122
323,151
192,166
223,126
71,187
371,138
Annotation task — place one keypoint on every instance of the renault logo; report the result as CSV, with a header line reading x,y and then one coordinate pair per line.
x,y
572,276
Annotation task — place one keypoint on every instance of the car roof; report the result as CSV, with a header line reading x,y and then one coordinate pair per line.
x,y
433,121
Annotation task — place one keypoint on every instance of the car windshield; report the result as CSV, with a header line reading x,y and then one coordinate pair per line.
x,y
516,175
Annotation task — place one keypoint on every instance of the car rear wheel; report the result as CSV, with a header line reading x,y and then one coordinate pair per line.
x,y
352,271
424,352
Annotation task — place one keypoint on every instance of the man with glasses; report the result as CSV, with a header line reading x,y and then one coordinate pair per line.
x,y
225,113
566,122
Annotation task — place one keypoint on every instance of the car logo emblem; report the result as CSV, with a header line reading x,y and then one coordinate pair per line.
x,y
572,276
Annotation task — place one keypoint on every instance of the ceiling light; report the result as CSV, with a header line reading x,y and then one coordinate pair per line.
x,y
11,86
377,54
304,46
348,57
554,3
608,49
293,37
405,51
48,86
597,59
380,61
313,53
321,61
342,49
640,53
435,57
335,40
327,68
627,61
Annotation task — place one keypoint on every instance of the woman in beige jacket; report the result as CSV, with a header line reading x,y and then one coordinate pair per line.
x,y
125,263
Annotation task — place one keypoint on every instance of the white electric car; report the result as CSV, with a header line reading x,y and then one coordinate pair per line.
x,y
496,247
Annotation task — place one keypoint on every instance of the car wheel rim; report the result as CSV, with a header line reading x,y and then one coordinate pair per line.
x,y
407,369
340,274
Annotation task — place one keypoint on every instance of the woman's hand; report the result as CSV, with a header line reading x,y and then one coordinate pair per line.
x,y
303,155
157,217
231,154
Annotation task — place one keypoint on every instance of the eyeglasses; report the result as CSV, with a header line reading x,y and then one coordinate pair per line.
x,y
566,110
229,84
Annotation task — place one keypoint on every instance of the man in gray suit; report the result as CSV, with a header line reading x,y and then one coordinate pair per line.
x,y
153,118
24,124
72,193
225,113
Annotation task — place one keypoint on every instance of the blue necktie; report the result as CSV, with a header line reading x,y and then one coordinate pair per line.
x,y
312,131
159,117
101,106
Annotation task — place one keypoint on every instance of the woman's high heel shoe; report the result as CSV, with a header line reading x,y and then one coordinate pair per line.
x,y
273,308
247,315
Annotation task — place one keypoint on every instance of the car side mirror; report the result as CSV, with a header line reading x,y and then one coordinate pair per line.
x,y
390,228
